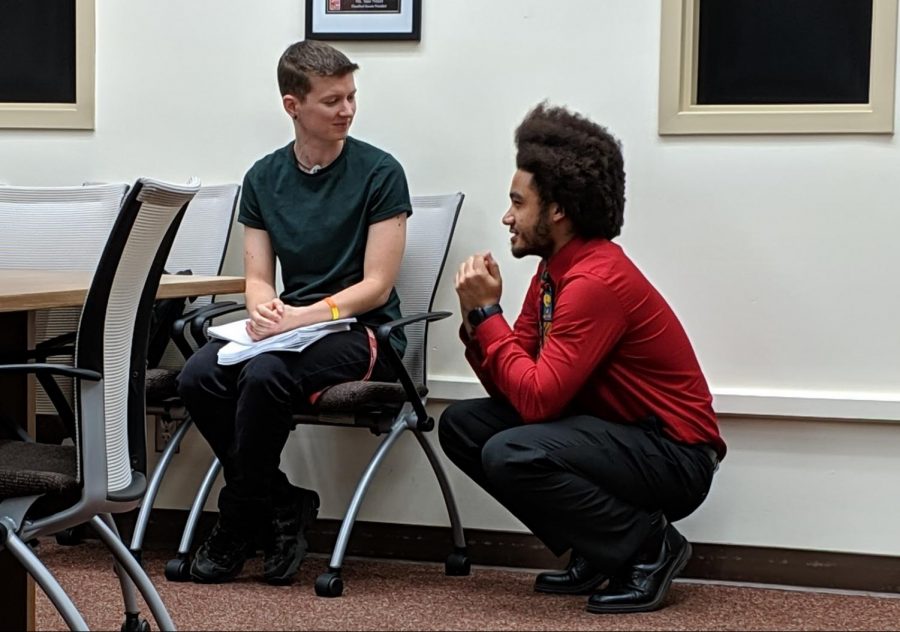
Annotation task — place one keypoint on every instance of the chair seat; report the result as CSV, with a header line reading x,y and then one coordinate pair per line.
x,y
353,396
160,385
28,469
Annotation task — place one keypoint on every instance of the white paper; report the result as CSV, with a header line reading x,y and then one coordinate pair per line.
x,y
241,347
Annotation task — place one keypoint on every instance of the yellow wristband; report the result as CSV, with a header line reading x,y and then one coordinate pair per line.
x,y
335,314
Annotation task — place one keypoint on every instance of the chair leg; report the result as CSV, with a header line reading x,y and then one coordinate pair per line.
x,y
106,529
44,578
457,562
143,519
178,569
330,584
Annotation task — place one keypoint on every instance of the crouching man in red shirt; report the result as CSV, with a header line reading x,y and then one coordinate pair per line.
x,y
599,432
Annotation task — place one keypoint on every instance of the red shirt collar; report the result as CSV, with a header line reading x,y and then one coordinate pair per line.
x,y
567,256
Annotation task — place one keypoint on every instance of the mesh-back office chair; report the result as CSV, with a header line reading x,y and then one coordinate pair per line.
x,y
46,488
199,247
383,408
37,228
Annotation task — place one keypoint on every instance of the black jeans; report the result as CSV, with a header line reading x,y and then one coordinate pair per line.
x,y
580,482
244,411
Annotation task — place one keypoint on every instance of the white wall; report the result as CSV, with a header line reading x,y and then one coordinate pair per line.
x,y
776,251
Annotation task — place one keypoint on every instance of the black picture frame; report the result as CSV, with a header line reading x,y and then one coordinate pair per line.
x,y
364,20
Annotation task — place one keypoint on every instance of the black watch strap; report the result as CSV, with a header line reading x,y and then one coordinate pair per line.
x,y
480,314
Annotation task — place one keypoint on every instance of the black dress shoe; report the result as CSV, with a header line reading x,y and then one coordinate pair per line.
x,y
644,585
579,578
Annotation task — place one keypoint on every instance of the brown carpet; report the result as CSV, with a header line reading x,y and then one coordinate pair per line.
x,y
382,595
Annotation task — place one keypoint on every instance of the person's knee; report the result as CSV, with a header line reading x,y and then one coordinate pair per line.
x,y
453,424
196,379
497,459
448,429
266,375
508,459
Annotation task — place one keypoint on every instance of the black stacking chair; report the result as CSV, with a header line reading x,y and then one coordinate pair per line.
x,y
387,409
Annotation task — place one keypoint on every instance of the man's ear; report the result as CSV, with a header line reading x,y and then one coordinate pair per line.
x,y
290,103
557,213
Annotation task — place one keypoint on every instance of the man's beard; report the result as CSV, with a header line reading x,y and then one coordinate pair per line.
x,y
539,241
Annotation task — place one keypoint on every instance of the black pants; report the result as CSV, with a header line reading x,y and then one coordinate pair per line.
x,y
244,411
580,482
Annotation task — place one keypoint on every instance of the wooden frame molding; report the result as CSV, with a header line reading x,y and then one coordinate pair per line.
x,y
679,112
78,115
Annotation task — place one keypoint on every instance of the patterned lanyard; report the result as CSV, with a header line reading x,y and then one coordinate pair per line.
x,y
546,307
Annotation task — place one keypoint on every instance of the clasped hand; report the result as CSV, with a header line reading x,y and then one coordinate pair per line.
x,y
267,319
478,283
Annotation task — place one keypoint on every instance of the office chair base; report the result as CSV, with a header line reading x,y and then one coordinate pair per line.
x,y
330,584
178,569
457,564
133,623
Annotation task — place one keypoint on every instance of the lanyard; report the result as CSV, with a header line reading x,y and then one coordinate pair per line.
x,y
546,308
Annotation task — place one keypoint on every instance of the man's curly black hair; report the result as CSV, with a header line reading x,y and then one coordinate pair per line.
x,y
577,164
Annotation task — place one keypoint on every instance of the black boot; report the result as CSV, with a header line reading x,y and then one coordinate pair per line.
x,y
644,586
221,557
579,578
293,514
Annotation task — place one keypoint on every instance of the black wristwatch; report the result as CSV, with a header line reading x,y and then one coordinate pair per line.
x,y
480,314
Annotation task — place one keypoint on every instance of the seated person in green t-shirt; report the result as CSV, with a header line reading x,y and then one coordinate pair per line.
x,y
333,210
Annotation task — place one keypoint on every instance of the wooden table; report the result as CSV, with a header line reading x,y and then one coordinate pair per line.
x,y
21,293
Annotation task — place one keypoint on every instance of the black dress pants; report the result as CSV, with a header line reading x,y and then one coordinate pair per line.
x,y
244,411
579,482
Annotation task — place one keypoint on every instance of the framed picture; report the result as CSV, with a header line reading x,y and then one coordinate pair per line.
x,y
47,76
772,66
364,19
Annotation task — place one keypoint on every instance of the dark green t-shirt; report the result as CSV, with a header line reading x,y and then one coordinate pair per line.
x,y
318,223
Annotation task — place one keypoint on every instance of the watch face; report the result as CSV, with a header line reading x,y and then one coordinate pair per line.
x,y
479,314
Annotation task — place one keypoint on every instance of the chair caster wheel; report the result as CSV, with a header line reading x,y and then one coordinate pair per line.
x,y
329,585
71,536
178,570
457,565
133,623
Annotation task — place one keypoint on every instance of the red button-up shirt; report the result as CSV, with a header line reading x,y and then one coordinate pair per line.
x,y
615,350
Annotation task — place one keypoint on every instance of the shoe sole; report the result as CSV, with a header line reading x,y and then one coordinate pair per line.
x,y
585,588
198,578
677,567
286,576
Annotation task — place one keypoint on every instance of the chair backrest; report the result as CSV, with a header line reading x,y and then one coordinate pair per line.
x,y
428,234
56,228
203,237
112,338
201,243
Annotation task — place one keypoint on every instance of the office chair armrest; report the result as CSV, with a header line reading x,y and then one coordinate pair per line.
x,y
384,331
196,319
200,321
57,341
52,369
383,336
58,345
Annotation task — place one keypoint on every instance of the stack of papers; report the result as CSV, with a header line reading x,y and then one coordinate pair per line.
x,y
241,347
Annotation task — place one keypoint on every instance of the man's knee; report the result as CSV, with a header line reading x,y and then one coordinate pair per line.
x,y
505,458
453,424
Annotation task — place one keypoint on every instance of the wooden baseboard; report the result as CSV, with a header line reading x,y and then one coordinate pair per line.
x,y
792,567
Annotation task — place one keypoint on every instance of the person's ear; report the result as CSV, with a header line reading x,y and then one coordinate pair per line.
x,y
291,104
557,213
